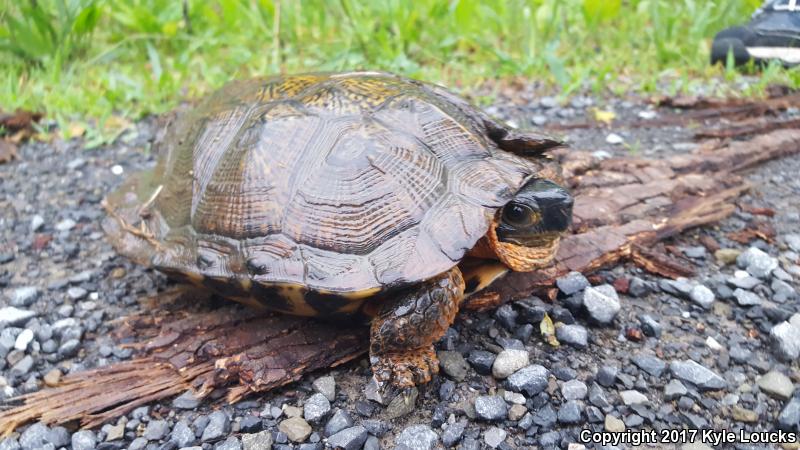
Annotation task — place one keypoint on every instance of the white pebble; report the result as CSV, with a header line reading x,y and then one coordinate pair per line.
x,y
37,222
508,362
601,155
713,344
514,397
65,225
23,339
647,115
117,169
88,305
614,139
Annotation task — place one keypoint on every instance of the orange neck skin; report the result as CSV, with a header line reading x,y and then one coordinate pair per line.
x,y
516,257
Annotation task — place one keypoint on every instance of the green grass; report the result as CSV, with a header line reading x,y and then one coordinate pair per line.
x,y
81,60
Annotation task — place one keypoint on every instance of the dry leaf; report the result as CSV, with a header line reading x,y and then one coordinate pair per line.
x,y
75,129
548,331
605,117
117,124
8,151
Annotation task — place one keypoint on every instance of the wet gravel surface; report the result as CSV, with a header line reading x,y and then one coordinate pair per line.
x,y
637,352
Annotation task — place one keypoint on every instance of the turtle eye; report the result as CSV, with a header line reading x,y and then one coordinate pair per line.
x,y
517,214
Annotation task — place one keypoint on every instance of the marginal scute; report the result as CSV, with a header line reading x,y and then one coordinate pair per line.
x,y
341,184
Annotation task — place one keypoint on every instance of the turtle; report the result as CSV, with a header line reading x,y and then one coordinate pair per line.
x,y
341,196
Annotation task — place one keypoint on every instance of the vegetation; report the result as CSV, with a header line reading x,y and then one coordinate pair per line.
x,y
97,59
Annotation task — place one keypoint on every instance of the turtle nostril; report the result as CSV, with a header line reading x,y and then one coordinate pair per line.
x,y
556,204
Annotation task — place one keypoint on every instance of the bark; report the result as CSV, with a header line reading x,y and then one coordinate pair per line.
x,y
231,347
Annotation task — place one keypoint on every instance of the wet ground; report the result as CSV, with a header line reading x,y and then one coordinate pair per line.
x,y
723,357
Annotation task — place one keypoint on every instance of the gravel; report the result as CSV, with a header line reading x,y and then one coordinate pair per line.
x,y
746,298
12,316
602,303
218,425
570,412
491,408
24,296
231,443
62,286
789,418
631,397
417,437
786,341
703,296
187,400
545,417
349,439
509,361
296,429
776,384
574,335
482,361
697,374
607,375
340,420
23,340
316,408
614,139
183,436
674,389
650,326
84,440
34,436
157,430
756,262
574,390
650,364
531,379
572,283
613,424
453,433
326,386
453,364
782,291
597,396
58,436
494,436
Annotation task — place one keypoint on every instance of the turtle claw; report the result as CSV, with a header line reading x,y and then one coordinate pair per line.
x,y
405,369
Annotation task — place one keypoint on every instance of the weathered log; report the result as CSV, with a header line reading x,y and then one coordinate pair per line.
x,y
232,346
624,206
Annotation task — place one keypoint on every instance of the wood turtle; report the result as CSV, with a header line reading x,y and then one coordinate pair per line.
x,y
340,195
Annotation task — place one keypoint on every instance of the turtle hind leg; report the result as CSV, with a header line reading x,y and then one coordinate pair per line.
x,y
404,330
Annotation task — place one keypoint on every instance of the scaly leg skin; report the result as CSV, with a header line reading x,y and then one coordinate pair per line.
x,y
403,332
483,301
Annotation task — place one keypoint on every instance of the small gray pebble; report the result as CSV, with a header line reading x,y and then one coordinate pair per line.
x,y
83,440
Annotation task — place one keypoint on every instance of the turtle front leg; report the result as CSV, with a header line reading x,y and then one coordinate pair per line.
x,y
404,330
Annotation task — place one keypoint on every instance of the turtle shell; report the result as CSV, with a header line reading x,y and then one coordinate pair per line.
x,y
333,183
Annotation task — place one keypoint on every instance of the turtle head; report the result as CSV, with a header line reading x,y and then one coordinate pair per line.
x,y
527,229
